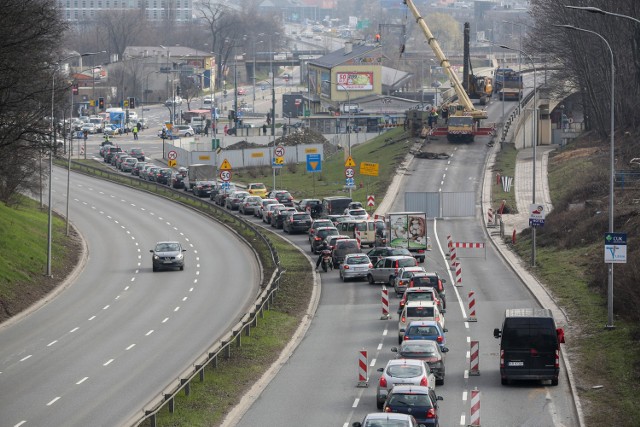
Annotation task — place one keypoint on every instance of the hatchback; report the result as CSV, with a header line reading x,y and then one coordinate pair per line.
x,y
268,211
249,205
321,234
235,199
128,164
418,310
342,248
386,419
386,269
379,252
282,196
420,294
167,255
263,204
137,168
426,350
298,222
403,277
203,188
257,189
354,266
317,224
426,330
138,153
434,280
419,402
403,372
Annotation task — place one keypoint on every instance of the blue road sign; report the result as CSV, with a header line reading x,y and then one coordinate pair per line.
x,y
225,186
314,163
350,182
615,238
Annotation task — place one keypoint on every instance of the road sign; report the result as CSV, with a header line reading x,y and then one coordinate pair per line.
x,y
370,169
349,182
349,172
615,248
536,215
298,101
225,186
279,151
225,166
172,155
349,163
277,162
314,163
170,163
225,175
371,200
215,143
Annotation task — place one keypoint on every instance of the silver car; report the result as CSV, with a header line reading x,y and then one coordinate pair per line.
x,y
405,372
355,266
386,269
128,164
167,255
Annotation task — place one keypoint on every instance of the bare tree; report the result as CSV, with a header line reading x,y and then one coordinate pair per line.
x,y
122,27
27,72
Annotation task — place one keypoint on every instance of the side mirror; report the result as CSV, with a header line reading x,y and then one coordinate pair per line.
x,y
184,250
496,333
443,311
380,369
444,349
560,333
402,330
357,424
445,330
394,349
151,250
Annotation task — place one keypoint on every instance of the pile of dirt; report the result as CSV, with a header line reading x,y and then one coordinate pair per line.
x,y
295,137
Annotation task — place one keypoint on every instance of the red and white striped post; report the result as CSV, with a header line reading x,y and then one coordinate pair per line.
x,y
458,268
385,304
474,358
475,408
453,257
358,239
490,217
449,244
363,369
472,307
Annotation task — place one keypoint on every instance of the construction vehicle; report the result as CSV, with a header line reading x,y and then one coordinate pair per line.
x,y
508,84
477,87
463,118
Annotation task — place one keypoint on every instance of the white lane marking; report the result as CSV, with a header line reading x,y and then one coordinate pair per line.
x,y
148,333
466,374
355,402
160,218
468,340
468,354
130,347
177,308
126,288
464,396
182,234
455,289
463,420
385,332
26,357
186,238
106,307
373,362
20,423
92,317
198,265
195,280
52,343
133,279
175,228
165,320
185,298
53,401
73,330
109,216
128,232
379,346
82,380
168,223
108,362
466,325
117,297
197,273
190,289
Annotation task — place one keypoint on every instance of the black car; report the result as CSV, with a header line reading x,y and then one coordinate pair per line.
x,y
433,280
380,252
163,176
320,234
298,222
177,180
203,188
278,217
282,196
418,401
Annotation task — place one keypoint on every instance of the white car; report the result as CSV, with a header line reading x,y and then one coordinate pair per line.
x,y
418,310
358,213
403,372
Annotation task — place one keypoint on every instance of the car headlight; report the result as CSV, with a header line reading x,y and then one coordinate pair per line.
x,y
179,256
156,257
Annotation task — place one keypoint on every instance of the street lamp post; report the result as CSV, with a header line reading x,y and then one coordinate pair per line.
x,y
348,118
534,143
611,165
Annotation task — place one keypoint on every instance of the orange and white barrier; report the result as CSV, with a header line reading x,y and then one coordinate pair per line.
x,y
474,359
449,244
358,238
385,304
458,268
469,245
490,218
453,257
475,408
472,307
363,369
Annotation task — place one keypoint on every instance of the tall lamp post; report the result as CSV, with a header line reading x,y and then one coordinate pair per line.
x,y
534,143
611,166
53,142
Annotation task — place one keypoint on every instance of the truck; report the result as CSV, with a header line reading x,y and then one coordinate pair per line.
x,y
408,230
199,172
508,84
117,118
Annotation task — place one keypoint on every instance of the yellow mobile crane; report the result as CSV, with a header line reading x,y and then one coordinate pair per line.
x,y
463,117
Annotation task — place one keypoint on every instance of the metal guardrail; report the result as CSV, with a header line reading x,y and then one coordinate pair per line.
x,y
222,347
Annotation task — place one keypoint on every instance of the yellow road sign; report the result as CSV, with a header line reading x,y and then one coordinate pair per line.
x,y
279,161
172,163
225,166
370,169
350,163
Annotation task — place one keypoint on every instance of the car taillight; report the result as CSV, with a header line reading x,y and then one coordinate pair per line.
x,y
383,382
420,251
439,339
431,360
346,267
387,409
370,265
502,358
317,238
403,319
424,382
431,413
406,338
557,364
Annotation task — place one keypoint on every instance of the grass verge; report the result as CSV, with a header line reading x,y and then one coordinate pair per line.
x,y
505,165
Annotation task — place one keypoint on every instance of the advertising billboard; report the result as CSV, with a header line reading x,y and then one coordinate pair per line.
x,y
355,81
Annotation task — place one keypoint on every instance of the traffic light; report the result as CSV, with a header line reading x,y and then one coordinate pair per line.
x,y
132,102
232,115
74,89
178,91
101,103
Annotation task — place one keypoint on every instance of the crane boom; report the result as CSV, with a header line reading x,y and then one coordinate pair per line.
x,y
463,98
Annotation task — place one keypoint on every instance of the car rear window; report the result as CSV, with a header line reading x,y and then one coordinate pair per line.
x,y
423,330
420,311
325,233
404,371
409,400
399,251
408,262
346,245
413,347
358,260
529,337
430,281
301,217
419,296
258,187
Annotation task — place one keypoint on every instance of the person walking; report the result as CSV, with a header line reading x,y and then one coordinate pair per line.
x,y
135,133
264,129
226,129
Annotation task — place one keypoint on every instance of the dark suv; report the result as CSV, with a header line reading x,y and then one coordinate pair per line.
x,y
137,153
282,196
319,235
433,280
111,151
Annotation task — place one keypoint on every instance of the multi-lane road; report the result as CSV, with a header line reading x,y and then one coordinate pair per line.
x,y
120,333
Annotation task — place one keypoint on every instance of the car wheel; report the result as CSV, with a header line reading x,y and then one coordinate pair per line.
x,y
504,381
181,267
155,268
440,381
187,134
391,280
370,279
379,404
399,340
554,382
344,279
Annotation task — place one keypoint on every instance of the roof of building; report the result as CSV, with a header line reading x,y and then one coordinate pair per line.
x,y
173,51
343,55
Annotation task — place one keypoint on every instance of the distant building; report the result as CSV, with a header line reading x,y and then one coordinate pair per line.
x,y
153,10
